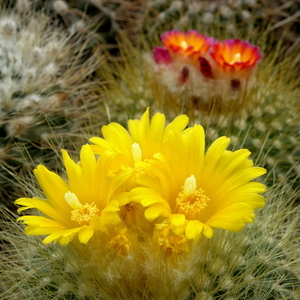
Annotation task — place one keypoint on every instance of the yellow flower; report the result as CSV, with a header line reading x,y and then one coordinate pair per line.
x,y
144,139
138,147
120,243
195,191
83,205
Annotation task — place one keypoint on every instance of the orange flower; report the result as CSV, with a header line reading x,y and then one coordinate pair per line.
x,y
235,55
190,44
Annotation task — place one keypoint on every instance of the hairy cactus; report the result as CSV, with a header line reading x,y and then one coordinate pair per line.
x,y
229,16
260,262
267,123
43,97
101,20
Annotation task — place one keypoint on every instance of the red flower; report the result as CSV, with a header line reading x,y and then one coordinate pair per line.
x,y
190,44
161,56
235,55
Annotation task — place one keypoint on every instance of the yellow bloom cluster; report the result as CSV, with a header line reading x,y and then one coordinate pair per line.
x,y
154,180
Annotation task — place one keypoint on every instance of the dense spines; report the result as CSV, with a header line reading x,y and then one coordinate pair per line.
x,y
260,262
44,100
268,125
229,16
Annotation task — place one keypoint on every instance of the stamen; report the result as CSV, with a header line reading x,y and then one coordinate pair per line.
x,y
80,213
191,201
85,214
236,58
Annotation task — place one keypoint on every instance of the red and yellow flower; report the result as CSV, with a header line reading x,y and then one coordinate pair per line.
x,y
191,44
235,56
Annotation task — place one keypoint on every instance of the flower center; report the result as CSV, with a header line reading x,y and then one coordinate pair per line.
x,y
191,200
82,214
236,58
184,45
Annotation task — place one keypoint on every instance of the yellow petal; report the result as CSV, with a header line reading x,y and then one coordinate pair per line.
x,y
100,146
240,178
213,154
231,217
112,206
88,165
74,172
48,180
53,237
118,138
178,124
207,231
85,235
193,229
177,219
139,194
154,211
38,221
157,128
29,230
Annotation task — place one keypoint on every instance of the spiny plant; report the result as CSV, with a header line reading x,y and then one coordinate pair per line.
x,y
260,262
229,16
126,17
103,20
107,20
266,120
45,92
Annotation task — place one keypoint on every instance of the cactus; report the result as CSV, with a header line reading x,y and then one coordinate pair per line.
x,y
267,124
229,16
259,262
43,93
101,20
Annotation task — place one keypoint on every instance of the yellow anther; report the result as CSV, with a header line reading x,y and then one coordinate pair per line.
x,y
191,201
84,215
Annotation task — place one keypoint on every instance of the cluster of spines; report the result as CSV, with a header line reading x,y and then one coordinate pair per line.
x,y
229,15
256,263
44,92
284,282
